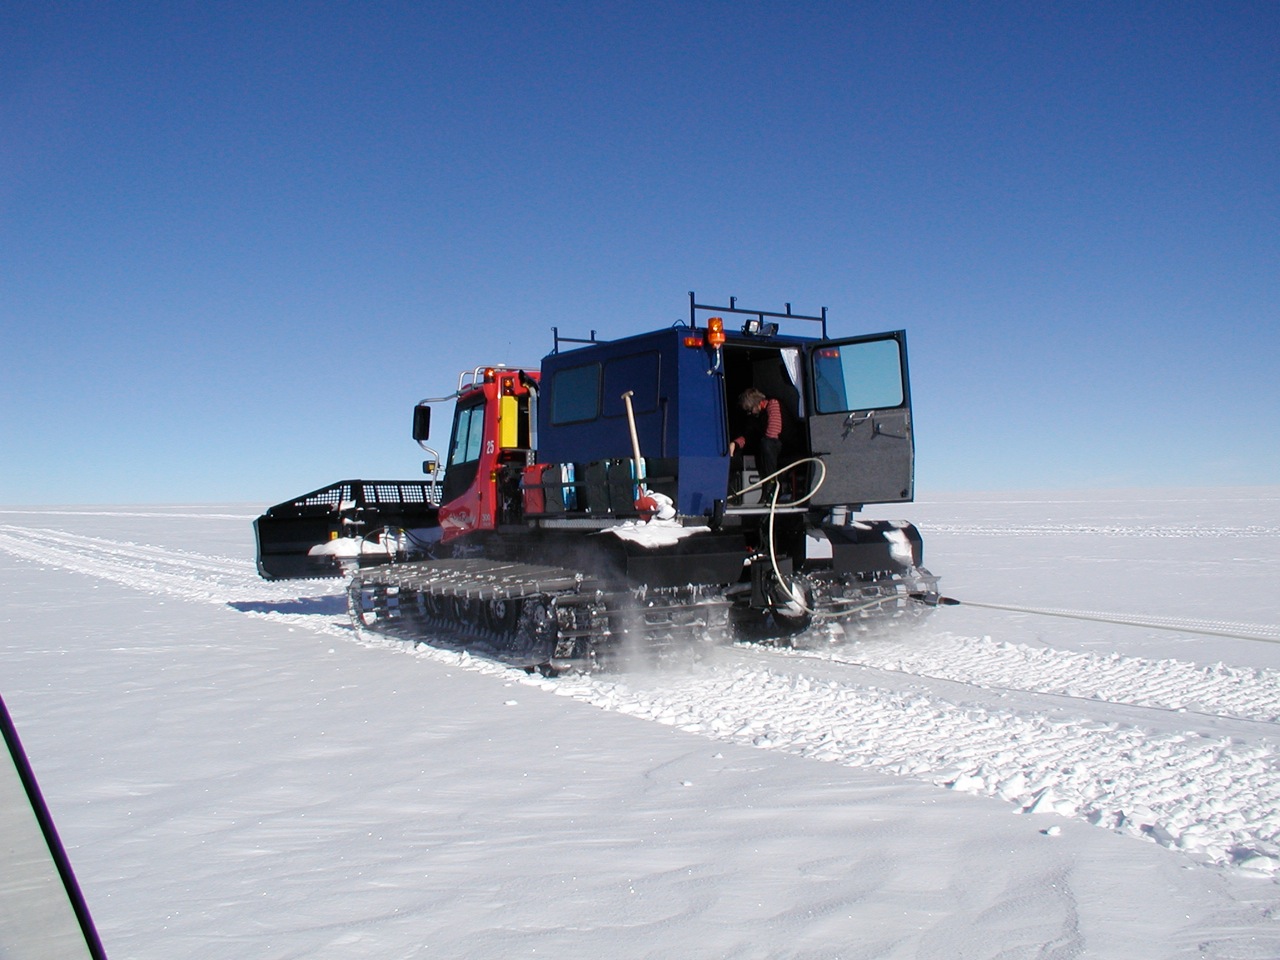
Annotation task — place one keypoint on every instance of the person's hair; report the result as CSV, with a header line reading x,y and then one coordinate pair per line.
x,y
751,398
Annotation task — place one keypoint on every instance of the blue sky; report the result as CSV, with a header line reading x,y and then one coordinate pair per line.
x,y
239,241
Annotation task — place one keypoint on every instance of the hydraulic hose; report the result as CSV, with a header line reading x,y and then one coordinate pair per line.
x,y
773,510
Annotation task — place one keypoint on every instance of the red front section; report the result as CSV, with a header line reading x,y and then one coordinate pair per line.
x,y
492,436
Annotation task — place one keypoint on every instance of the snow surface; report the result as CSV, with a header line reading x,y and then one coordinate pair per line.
x,y
236,773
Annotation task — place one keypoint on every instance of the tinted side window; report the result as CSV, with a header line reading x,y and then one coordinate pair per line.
x,y
639,374
858,376
575,394
468,435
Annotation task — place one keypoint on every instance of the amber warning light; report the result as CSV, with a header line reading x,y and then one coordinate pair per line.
x,y
715,332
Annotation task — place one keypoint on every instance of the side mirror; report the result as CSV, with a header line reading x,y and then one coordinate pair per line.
x,y
421,422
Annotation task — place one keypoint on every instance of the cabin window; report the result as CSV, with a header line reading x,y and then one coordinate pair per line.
x,y
639,374
468,435
858,376
464,454
575,394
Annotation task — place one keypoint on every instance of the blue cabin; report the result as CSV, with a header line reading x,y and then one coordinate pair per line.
x,y
845,402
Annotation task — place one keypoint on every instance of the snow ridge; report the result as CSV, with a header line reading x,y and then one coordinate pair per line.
x,y
1211,797
1247,693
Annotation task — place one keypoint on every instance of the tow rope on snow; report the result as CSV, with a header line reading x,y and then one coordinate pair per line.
x,y
1213,628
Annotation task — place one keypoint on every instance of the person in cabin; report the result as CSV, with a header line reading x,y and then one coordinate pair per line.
x,y
769,446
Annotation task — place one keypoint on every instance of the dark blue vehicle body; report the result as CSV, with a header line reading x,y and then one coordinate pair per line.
x,y
684,400
679,411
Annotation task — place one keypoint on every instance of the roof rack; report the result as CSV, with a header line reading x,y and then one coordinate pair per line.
x,y
733,307
555,333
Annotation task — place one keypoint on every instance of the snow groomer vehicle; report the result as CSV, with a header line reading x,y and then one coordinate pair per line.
x,y
598,505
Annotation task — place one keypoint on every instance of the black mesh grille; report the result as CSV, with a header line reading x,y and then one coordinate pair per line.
x,y
361,493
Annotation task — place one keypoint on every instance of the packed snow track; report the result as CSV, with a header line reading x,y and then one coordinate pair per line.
x,y
1166,750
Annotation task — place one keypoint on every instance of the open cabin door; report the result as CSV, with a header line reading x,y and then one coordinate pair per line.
x,y
860,419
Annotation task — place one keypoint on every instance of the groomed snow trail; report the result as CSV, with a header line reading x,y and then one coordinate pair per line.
x,y
1213,797
166,572
1218,689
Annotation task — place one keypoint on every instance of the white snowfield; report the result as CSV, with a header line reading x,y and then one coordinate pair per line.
x,y
236,772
